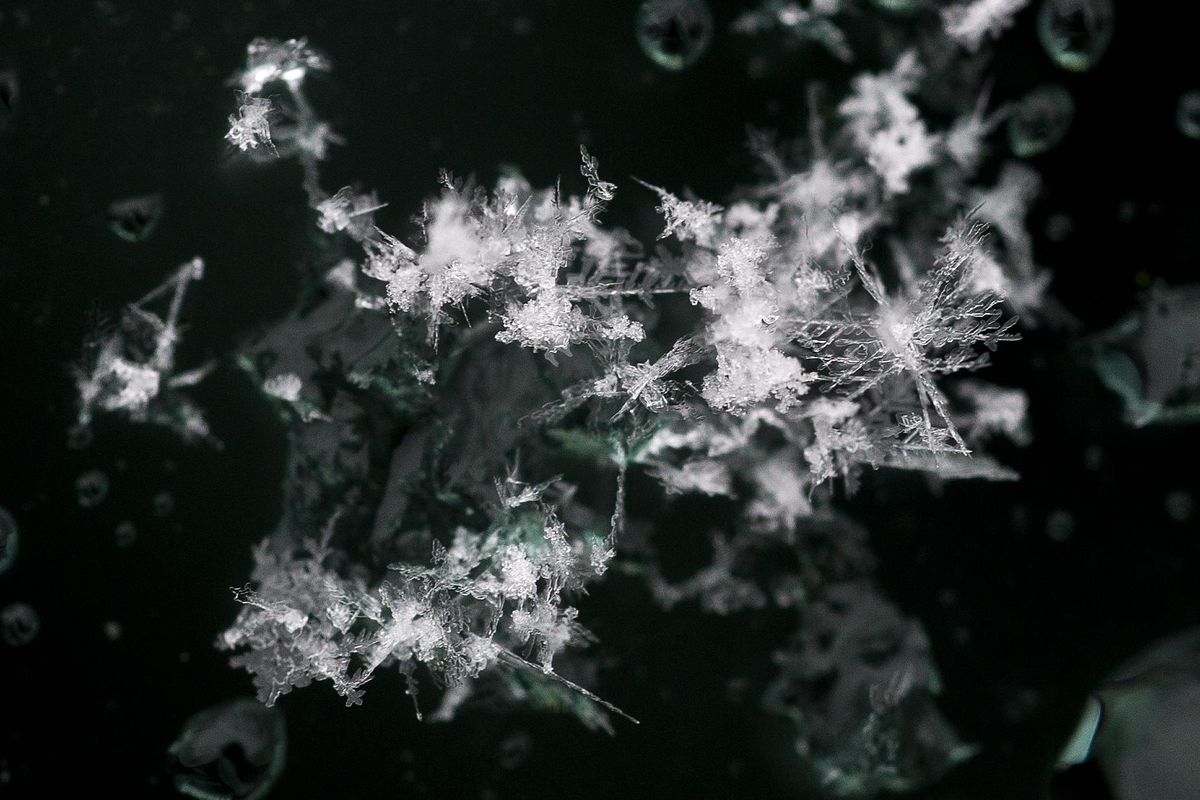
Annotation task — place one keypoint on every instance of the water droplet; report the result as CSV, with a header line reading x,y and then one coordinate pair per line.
x,y
1059,227
164,504
674,33
9,92
79,437
1179,505
91,488
1075,33
233,749
136,218
1060,525
1040,120
1188,114
899,6
515,750
126,534
9,539
19,623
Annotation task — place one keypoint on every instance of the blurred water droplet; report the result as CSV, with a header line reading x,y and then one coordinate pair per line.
x,y
674,33
136,218
899,6
1059,227
9,92
1040,120
233,749
1075,33
79,437
515,750
19,624
1060,525
1179,505
9,539
164,504
91,488
1188,114
126,534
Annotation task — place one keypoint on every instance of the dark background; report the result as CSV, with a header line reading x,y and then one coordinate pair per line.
x,y
124,98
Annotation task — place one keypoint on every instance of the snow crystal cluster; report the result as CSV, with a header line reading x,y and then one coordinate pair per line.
x,y
444,388
129,368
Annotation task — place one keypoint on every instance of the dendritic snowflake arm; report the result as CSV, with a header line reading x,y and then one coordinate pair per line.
x,y
480,600
687,220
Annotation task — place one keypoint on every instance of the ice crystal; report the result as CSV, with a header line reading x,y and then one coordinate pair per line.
x,y
470,609
813,21
750,368
270,60
424,530
687,220
887,126
130,370
251,126
348,211
972,22
286,386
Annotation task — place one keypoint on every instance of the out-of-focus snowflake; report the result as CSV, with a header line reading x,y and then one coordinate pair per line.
x,y
129,369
